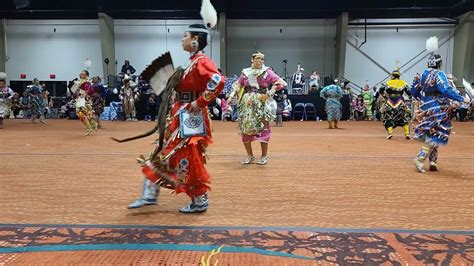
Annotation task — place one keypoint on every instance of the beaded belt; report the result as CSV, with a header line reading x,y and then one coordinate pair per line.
x,y
253,89
187,96
432,93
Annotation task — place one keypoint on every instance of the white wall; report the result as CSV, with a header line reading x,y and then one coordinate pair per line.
x,y
36,50
309,42
387,45
141,41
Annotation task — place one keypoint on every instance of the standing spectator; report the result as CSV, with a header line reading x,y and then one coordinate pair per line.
x,y
152,108
375,104
127,68
346,89
379,100
143,86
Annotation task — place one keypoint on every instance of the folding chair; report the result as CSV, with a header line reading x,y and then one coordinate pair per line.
x,y
310,110
299,111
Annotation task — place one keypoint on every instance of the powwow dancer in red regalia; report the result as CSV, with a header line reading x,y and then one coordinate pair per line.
x,y
178,162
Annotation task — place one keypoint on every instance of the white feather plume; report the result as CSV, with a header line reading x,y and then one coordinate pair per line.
x,y
3,75
158,73
208,14
159,80
469,89
432,44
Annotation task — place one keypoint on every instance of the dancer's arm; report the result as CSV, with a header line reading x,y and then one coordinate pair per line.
x,y
322,94
215,83
340,94
446,90
278,83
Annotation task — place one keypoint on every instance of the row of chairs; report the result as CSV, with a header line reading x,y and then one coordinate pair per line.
x,y
304,111
301,111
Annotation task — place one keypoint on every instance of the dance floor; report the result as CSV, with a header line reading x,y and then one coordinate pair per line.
x,y
345,196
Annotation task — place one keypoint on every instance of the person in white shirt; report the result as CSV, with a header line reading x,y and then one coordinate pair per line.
x,y
314,80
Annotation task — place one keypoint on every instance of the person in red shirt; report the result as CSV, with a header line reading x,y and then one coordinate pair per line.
x,y
180,163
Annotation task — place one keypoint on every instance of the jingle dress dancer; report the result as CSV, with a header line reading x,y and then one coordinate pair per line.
x,y
436,110
394,111
36,101
179,164
256,87
332,94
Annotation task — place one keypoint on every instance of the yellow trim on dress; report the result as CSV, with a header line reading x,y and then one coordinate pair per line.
x,y
397,84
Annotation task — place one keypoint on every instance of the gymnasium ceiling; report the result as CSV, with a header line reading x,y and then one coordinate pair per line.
x,y
235,9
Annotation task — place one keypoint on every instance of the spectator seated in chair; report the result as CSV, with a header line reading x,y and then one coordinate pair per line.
x,y
314,80
298,81
299,112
